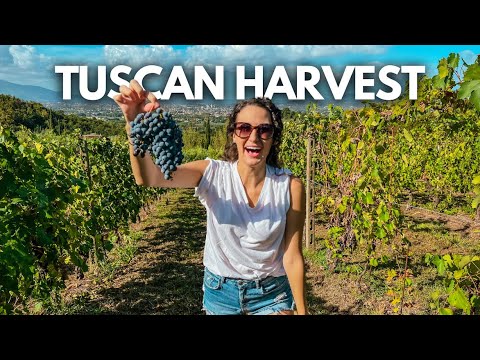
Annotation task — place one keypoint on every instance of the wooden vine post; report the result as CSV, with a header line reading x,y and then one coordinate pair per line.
x,y
310,203
84,151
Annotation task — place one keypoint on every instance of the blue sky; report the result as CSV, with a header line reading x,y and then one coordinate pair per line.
x,y
34,64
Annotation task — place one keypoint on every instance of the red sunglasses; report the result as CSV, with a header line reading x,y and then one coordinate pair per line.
x,y
243,130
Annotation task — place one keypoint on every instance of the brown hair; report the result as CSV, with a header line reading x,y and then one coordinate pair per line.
x,y
231,152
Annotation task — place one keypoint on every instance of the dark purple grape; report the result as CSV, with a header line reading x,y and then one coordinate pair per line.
x,y
158,133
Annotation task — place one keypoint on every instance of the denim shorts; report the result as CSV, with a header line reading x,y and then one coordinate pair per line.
x,y
227,296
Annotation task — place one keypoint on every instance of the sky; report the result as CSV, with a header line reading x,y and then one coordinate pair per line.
x,y
34,64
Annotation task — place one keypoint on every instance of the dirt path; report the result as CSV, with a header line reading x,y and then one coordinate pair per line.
x,y
462,224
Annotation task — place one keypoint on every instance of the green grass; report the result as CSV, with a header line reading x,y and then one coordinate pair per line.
x,y
119,256
317,257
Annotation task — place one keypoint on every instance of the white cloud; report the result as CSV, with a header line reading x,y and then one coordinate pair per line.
x,y
22,64
229,55
271,54
137,56
26,57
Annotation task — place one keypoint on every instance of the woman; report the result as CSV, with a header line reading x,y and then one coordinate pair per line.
x,y
255,210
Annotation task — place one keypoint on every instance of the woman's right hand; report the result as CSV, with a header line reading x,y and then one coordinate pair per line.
x,y
132,100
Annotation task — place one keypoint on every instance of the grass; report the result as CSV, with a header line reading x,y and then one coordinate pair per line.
x,y
118,257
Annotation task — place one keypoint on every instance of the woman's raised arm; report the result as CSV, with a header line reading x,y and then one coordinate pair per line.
x,y
132,101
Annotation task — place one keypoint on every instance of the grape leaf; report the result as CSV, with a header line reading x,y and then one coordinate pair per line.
x,y
472,73
467,87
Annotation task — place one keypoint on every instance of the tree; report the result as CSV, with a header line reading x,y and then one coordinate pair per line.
x,y
208,133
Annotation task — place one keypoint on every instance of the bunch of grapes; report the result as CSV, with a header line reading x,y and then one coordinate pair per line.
x,y
157,132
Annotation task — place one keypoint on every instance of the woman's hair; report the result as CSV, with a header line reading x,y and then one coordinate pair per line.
x,y
231,152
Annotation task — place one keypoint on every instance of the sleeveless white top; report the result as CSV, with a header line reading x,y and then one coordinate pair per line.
x,y
244,242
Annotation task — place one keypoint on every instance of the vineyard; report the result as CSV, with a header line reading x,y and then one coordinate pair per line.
x,y
64,202
383,176
374,163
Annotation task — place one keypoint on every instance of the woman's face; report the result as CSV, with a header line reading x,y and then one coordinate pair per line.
x,y
253,135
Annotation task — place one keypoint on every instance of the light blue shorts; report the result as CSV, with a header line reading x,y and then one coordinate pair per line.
x,y
227,296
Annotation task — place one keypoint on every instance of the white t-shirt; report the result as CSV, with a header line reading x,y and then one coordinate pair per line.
x,y
244,242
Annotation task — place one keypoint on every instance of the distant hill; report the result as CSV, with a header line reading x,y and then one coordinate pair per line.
x,y
15,113
29,92
43,95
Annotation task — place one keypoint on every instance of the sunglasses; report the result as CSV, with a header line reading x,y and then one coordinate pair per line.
x,y
243,130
